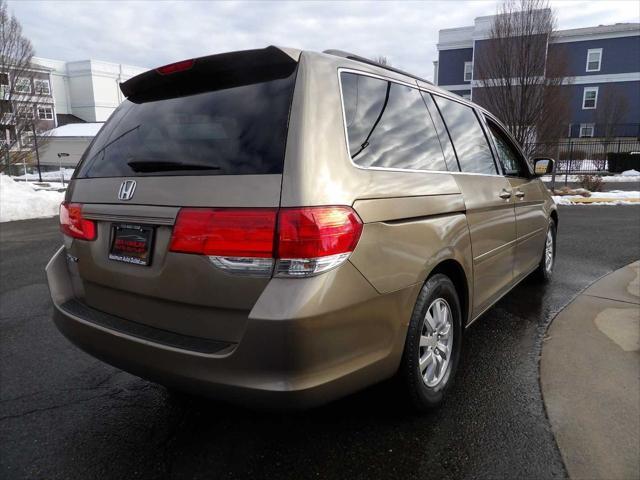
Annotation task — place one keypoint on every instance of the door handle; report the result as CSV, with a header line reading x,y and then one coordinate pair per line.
x,y
505,194
519,194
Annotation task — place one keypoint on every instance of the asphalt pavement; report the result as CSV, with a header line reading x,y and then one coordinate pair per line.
x,y
65,415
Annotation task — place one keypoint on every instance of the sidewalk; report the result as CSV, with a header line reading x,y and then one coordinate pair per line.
x,y
590,377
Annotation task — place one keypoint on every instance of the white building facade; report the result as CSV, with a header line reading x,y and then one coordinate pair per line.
x,y
87,89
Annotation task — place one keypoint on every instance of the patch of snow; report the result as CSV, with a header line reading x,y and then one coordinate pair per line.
x,y
631,173
20,201
51,176
614,197
605,178
75,130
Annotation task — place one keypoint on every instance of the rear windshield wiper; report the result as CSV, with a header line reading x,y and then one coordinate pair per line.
x,y
167,166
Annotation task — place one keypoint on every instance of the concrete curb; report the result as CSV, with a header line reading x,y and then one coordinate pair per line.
x,y
589,375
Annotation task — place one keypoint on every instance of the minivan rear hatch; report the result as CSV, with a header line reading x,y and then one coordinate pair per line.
x,y
208,133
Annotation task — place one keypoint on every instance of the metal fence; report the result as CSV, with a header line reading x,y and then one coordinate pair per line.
x,y
584,157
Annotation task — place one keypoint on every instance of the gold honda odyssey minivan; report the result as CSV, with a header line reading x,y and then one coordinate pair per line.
x,y
282,227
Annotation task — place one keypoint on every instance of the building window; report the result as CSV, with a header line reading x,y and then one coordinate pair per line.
x,y
26,139
586,130
45,113
466,96
594,59
22,85
590,98
42,87
4,85
25,111
468,71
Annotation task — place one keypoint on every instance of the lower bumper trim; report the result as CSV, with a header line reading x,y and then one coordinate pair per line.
x,y
163,337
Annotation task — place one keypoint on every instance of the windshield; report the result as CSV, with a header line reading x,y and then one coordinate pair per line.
x,y
232,131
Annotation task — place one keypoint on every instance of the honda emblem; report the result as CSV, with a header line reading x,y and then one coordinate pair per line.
x,y
127,189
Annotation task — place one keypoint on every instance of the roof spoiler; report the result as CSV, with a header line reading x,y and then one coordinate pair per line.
x,y
213,72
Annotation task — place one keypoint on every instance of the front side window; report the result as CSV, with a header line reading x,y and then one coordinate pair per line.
x,y
22,85
469,141
42,87
589,98
586,130
468,71
511,160
594,59
45,113
388,125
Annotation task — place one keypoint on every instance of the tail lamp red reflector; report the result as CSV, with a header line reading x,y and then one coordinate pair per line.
x,y
73,224
175,67
228,232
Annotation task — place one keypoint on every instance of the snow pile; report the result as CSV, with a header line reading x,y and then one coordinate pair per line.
x,y
614,197
20,201
628,176
52,176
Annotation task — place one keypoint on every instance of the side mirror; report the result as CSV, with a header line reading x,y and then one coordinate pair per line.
x,y
542,166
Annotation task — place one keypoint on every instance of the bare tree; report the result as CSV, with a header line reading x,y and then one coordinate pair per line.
x,y
17,113
518,77
382,60
612,109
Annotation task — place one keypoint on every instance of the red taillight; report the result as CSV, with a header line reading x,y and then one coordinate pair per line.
x,y
314,232
304,241
72,223
175,67
228,232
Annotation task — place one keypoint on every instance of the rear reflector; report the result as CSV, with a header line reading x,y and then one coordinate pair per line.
x,y
228,232
73,224
175,67
304,241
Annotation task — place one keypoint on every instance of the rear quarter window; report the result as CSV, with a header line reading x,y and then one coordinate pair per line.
x,y
388,125
232,131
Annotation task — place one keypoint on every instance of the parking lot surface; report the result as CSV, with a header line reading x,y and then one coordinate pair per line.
x,y
65,415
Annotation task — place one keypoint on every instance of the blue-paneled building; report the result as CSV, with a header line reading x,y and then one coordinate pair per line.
x,y
602,68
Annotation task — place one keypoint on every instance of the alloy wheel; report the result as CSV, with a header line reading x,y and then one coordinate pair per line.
x,y
436,342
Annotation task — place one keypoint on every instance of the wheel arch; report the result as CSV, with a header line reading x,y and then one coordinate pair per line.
x,y
454,270
554,216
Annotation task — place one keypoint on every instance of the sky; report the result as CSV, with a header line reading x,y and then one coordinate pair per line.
x,y
153,33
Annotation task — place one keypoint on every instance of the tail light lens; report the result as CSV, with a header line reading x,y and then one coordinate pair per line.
x,y
313,240
73,224
231,232
297,241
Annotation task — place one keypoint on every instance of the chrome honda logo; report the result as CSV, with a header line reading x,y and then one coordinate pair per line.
x,y
127,188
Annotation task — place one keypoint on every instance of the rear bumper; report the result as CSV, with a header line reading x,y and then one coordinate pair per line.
x,y
306,341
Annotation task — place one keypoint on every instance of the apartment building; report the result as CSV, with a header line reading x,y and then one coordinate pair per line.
x,y
602,67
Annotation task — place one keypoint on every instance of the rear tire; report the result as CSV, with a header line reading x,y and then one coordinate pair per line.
x,y
433,344
544,272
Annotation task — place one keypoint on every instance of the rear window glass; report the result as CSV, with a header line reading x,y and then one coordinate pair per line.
x,y
469,141
231,131
388,125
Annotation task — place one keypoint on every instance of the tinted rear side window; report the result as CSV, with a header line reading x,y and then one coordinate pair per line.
x,y
232,131
388,125
469,141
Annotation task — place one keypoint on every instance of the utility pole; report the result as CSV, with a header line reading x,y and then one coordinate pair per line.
x,y
35,144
